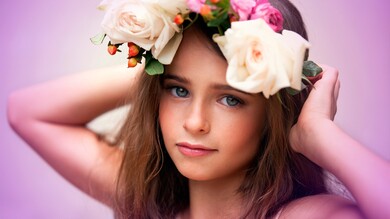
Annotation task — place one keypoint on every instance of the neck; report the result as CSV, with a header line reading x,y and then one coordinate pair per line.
x,y
215,199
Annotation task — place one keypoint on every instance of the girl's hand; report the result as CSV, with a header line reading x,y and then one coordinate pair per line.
x,y
318,138
320,108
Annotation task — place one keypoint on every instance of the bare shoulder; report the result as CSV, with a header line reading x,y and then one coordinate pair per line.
x,y
322,206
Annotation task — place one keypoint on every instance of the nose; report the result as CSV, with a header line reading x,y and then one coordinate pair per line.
x,y
197,121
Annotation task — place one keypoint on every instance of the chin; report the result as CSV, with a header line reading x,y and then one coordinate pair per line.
x,y
197,175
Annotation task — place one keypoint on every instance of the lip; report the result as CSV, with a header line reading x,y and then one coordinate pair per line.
x,y
194,150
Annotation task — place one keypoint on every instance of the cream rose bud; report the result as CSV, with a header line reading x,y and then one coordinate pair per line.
x,y
261,60
147,23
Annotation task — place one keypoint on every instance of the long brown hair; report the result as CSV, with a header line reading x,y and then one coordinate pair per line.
x,y
150,186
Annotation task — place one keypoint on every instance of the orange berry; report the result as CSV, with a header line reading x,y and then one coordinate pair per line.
x,y
112,49
205,10
214,1
133,50
132,62
178,19
130,44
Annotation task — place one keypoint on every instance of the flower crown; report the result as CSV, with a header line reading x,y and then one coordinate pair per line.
x,y
261,56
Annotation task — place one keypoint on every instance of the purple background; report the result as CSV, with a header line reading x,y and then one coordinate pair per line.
x,y
42,40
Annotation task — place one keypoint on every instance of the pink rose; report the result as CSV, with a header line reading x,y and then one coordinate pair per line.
x,y
271,15
195,5
258,2
243,8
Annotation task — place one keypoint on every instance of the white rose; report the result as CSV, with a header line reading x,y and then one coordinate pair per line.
x,y
147,23
261,60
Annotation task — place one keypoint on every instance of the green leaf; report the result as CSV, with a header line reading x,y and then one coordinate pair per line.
x,y
148,56
218,21
154,67
98,39
223,4
311,69
292,91
225,25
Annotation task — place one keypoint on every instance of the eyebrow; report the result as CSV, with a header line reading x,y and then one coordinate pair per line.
x,y
215,86
176,78
228,88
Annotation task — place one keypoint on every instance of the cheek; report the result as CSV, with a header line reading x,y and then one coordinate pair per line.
x,y
249,130
167,118
241,141
250,133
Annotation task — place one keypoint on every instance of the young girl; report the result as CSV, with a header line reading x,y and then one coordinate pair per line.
x,y
202,140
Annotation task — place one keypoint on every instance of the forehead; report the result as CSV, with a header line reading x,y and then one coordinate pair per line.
x,y
198,55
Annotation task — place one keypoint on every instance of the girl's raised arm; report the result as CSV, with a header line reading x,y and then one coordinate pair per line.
x,y
52,117
366,175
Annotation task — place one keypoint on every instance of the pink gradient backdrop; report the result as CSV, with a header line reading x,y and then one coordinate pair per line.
x,y
42,40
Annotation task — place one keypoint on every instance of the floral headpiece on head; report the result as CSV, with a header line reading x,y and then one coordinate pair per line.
x,y
261,56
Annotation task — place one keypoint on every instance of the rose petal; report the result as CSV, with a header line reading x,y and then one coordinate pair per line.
x,y
167,54
261,60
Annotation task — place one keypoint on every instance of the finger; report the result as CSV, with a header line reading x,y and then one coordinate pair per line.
x,y
329,76
336,96
337,89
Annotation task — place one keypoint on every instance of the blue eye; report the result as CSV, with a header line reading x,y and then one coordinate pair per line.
x,y
230,101
179,92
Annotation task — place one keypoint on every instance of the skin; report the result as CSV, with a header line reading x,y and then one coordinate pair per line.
x,y
56,129
210,113
366,175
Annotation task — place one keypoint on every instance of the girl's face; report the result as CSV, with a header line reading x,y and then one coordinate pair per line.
x,y
211,131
